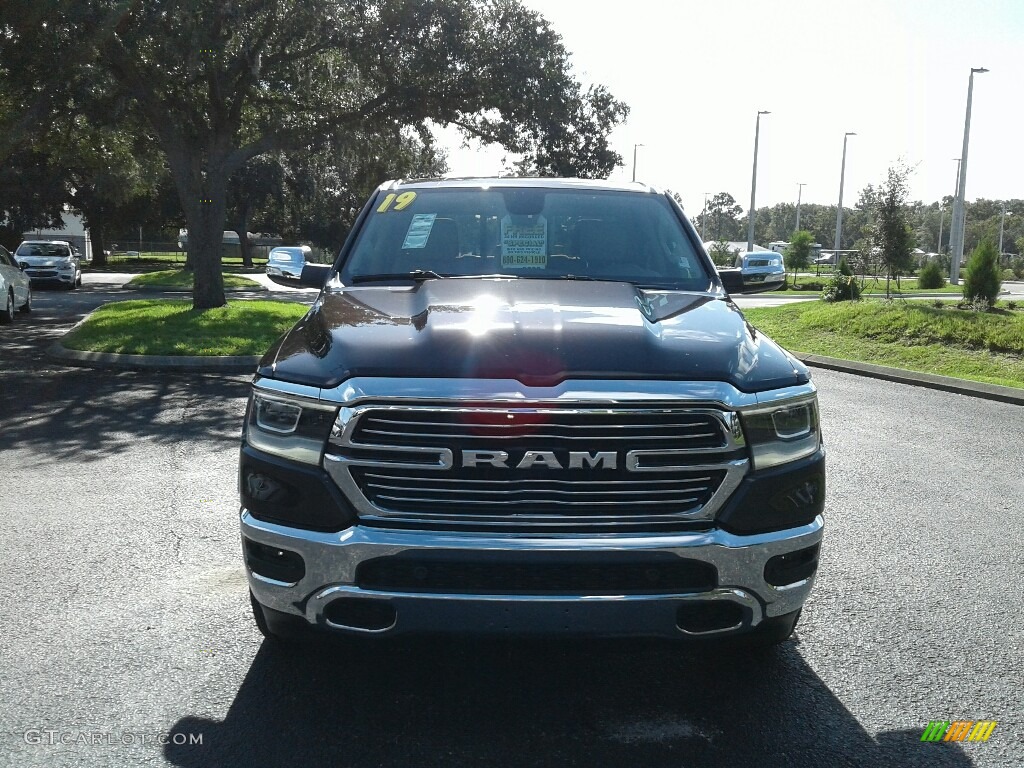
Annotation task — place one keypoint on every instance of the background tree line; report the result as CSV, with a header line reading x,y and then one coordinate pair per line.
x,y
725,219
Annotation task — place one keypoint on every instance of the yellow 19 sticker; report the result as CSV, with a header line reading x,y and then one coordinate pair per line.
x,y
401,202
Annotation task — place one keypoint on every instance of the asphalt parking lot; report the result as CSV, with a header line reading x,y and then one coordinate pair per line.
x,y
126,623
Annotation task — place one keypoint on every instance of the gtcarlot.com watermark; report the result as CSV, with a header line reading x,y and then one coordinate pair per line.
x,y
85,738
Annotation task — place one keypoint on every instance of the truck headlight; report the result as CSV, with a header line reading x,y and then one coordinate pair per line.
x,y
290,427
66,266
782,433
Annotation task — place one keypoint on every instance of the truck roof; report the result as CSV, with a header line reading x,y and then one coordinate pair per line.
x,y
470,182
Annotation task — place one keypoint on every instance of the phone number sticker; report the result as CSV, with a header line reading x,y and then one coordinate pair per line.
x,y
524,244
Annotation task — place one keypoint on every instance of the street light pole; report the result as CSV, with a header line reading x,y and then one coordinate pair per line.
x,y
959,216
799,193
704,219
1002,220
753,184
838,244
634,159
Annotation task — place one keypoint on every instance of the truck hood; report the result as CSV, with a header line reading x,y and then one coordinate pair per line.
x,y
539,332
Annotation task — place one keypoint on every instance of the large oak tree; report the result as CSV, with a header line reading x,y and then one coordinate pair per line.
x,y
220,82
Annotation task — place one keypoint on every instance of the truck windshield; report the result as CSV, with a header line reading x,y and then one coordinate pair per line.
x,y
529,233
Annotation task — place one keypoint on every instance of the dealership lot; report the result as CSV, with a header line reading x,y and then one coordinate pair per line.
x,y
127,624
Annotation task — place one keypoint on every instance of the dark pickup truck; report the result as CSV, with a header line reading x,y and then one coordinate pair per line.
x,y
530,406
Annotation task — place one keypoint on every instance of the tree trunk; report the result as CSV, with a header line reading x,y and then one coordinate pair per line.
x,y
242,230
99,243
204,217
246,247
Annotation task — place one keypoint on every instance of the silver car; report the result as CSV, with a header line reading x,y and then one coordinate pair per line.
x,y
52,261
15,288
288,261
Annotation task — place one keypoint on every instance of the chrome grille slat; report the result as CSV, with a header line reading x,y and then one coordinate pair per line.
x,y
552,482
558,502
536,436
512,424
508,491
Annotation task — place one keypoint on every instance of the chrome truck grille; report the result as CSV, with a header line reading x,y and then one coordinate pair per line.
x,y
574,468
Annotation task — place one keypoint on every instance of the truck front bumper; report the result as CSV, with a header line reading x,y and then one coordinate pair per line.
x,y
314,577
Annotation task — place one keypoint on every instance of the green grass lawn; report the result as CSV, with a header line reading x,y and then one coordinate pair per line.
x,y
947,341
179,279
172,327
870,287
149,261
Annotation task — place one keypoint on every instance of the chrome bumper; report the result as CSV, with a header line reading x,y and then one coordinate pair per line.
x,y
331,560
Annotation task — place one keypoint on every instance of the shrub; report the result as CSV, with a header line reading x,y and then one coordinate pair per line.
x,y
813,285
844,267
930,276
1009,274
938,303
842,287
982,281
1011,305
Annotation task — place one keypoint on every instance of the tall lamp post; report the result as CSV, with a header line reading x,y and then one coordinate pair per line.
x,y
704,219
1002,220
753,184
634,159
956,186
839,212
799,193
957,223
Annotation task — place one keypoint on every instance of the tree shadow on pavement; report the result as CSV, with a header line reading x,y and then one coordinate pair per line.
x,y
434,702
83,414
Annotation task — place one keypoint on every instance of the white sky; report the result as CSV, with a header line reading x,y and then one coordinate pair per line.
x,y
896,72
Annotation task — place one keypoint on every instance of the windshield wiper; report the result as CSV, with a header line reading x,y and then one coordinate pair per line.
x,y
415,274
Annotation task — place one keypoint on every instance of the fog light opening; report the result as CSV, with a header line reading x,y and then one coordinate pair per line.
x,y
710,616
361,614
792,567
274,563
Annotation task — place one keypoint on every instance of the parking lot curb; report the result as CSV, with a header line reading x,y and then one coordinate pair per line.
x,y
914,378
223,364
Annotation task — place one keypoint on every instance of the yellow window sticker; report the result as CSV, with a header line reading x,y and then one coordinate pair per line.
x,y
419,230
524,242
400,202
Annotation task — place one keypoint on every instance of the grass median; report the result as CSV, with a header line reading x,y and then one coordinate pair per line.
x,y
182,280
980,346
172,327
809,286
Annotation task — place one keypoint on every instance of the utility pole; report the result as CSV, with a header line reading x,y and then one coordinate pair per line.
x,y
634,159
959,215
704,219
839,212
753,184
799,194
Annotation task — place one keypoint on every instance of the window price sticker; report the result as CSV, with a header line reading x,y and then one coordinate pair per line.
x,y
524,243
419,230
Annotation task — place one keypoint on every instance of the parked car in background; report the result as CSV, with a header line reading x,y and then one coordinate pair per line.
x,y
758,266
50,261
15,288
288,260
